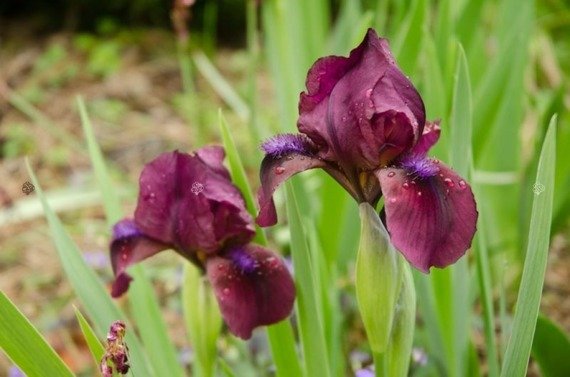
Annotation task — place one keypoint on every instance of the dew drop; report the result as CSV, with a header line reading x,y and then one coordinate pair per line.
x,y
419,193
391,174
369,93
226,291
448,182
220,266
435,161
393,200
406,185
124,256
462,184
279,170
413,182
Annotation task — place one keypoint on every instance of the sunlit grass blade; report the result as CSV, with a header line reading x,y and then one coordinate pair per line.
x,y
308,311
25,346
221,85
528,301
88,286
280,335
142,298
95,346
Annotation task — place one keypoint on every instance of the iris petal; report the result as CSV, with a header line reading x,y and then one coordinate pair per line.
x,y
431,219
129,246
275,171
189,201
429,137
253,288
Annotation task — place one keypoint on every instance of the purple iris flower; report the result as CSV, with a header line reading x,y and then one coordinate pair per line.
x,y
363,122
187,203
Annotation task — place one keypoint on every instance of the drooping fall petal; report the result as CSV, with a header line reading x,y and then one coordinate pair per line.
x,y
430,212
286,155
129,246
252,286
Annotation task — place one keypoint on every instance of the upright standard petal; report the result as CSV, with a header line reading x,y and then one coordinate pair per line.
x,y
188,201
430,212
252,286
361,111
428,139
129,246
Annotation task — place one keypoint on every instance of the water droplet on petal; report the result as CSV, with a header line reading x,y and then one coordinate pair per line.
x,y
462,184
124,256
226,291
393,200
369,93
279,170
413,182
448,182
419,193
435,161
406,185
220,266
391,174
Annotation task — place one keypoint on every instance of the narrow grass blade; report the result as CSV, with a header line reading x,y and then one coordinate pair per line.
x,y
111,202
203,320
528,301
408,43
237,172
91,339
308,311
142,298
280,335
25,346
486,299
87,286
220,85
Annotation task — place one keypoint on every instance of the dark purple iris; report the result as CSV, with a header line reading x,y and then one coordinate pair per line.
x,y
187,203
363,122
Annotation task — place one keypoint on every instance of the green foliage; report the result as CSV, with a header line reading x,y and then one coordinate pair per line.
x,y
24,345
